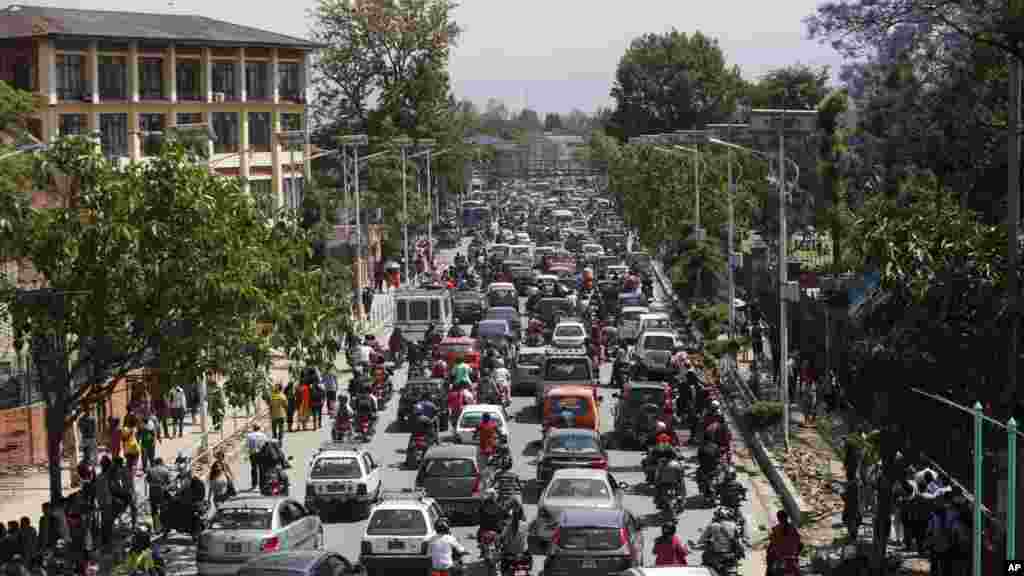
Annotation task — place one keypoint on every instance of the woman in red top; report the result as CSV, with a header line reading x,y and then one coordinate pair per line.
x,y
784,546
669,549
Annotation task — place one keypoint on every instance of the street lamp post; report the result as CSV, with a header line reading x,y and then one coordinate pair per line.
x,y
429,144
354,141
404,142
728,132
781,123
694,138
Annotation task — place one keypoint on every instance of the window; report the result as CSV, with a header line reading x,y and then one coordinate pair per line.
x,y
450,468
574,443
225,124
529,359
259,131
190,117
188,76
257,81
241,519
224,79
288,80
347,468
293,188
642,396
71,77
23,74
73,124
435,310
151,143
263,192
113,78
418,311
569,331
568,406
114,134
661,343
567,369
397,522
473,419
401,311
579,488
291,122
151,78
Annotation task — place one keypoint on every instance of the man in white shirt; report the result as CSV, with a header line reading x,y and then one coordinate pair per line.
x,y
444,549
502,379
178,405
365,352
254,442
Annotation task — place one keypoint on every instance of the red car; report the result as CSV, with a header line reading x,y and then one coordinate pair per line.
x,y
451,349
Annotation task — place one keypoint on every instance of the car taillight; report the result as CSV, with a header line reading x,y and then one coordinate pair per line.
x,y
487,536
366,548
270,544
602,464
420,440
476,485
423,548
556,536
361,489
623,537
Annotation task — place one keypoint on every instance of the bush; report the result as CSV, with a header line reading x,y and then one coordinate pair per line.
x,y
719,348
764,414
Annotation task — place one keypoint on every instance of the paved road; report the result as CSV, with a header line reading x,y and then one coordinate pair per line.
x,y
388,448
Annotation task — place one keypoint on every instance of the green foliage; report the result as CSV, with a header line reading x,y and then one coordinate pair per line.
x,y
718,348
15,107
672,81
798,86
764,414
710,319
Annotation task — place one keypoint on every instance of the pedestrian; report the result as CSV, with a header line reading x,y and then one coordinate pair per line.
x,y
278,411
289,393
947,536
254,442
378,275
105,500
87,434
29,540
316,400
368,301
115,437
148,441
221,488
330,382
179,403
123,488
305,404
132,449
158,478
162,413
810,394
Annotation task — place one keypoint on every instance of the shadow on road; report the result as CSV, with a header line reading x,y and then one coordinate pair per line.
x,y
395,427
532,448
697,502
531,491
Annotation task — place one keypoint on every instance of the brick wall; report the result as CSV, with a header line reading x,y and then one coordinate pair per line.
x,y
23,436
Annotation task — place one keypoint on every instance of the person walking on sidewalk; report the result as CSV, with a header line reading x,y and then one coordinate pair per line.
x,y
316,399
132,449
87,432
289,393
330,382
278,410
254,442
305,403
115,437
158,479
162,413
179,402
148,440
220,484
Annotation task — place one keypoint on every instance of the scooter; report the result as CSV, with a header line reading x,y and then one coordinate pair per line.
x,y
418,445
275,482
490,551
342,430
365,428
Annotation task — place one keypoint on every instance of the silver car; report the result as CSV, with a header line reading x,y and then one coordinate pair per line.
x,y
244,528
571,488
526,376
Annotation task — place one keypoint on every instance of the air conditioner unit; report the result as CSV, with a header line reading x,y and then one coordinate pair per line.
x,y
218,97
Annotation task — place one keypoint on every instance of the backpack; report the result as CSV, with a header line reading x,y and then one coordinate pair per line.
x,y
946,537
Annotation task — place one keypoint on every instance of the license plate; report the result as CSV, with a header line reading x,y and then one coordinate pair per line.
x,y
589,564
336,488
395,545
233,548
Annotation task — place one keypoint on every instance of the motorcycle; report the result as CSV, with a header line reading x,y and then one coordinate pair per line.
x,y
520,566
490,551
418,445
183,517
706,482
669,501
620,374
342,430
722,564
275,482
365,429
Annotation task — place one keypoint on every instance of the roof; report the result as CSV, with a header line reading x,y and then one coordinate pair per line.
x,y
647,385
572,432
591,517
533,350
671,571
258,502
292,561
25,21
570,390
452,451
585,473
482,408
494,285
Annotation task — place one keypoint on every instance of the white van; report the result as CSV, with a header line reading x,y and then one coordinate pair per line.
x,y
416,309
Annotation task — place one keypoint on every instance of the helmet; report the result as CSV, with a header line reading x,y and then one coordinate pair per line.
x,y
715,406
343,399
721,514
662,427
441,526
490,494
668,528
486,417
499,363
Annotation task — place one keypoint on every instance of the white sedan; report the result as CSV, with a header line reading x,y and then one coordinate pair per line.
x,y
471,417
569,335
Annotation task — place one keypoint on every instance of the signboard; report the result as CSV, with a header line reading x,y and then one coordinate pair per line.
x,y
769,121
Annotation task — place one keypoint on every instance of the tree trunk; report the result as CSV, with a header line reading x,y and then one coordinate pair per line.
x,y
55,409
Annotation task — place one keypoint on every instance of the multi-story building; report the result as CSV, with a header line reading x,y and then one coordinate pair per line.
x,y
125,76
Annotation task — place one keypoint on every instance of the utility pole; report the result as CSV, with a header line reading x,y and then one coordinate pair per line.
x,y
1013,223
354,141
404,142
428,144
729,133
780,123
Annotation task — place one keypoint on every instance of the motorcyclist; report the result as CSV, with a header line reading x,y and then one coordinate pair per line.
x,y
456,331
717,432
342,415
271,459
502,379
439,369
669,549
494,517
621,363
445,550
487,432
462,373
784,546
366,404
396,343
425,412
721,542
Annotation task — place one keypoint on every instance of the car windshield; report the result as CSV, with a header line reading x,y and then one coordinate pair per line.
x,y
530,359
502,293
568,405
242,519
659,343
450,468
472,419
589,538
574,442
336,468
588,488
657,324
567,369
492,329
647,396
397,522
460,348
631,315
568,332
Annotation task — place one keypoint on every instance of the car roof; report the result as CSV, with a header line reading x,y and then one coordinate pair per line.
x,y
660,333
494,285
452,451
585,473
642,309
482,408
292,560
671,571
647,385
569,390
502,309
533,350
592,518
654,315
254,502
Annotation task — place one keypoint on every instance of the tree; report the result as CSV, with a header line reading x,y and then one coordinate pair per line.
x,y
159,264
577,122
552,122
671,81
798,86
833,211
528,121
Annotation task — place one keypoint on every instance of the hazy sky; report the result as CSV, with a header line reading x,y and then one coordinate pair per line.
x,y
554,55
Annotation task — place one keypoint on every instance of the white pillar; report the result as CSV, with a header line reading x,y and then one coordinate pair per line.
x,y
276,171
47,65
133,71
240,76
207,70
275,74
134,138
94,71
243,147
171,58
